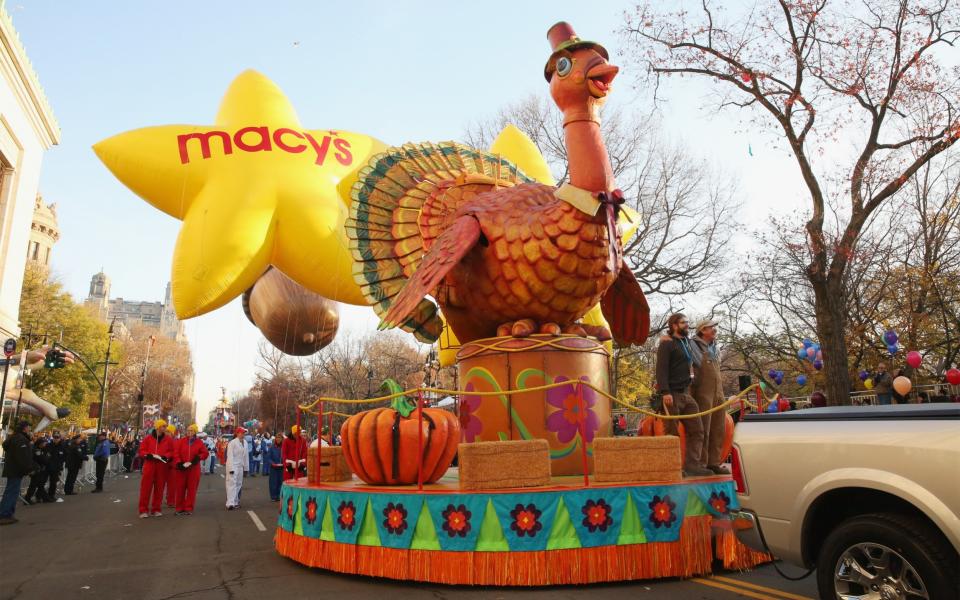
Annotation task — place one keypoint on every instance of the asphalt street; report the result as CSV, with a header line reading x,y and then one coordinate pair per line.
x,y
94,546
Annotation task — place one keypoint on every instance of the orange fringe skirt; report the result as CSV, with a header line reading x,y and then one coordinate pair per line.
x,y
692,554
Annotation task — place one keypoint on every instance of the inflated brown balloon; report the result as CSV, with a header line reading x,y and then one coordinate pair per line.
x,y
291,317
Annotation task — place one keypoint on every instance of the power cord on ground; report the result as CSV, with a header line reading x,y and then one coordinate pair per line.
x,y
766,549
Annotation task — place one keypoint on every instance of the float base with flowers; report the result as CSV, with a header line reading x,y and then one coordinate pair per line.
x,y
562,534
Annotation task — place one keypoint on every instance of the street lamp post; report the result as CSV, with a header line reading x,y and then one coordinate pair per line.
x,y
143,380
369,381
103,383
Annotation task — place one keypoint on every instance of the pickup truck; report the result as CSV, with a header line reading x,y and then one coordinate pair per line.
x,y
867,496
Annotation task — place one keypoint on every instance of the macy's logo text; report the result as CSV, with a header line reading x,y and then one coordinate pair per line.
x,y
258,139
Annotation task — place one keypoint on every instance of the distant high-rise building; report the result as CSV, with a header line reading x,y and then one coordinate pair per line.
x,y
159,315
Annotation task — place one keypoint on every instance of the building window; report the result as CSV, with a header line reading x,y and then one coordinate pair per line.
x,y
34,253
46,258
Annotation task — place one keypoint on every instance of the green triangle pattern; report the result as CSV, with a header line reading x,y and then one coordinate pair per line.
x,y
695,506
368,536
297,522
631,532
563,535
326,525
491,538
425,534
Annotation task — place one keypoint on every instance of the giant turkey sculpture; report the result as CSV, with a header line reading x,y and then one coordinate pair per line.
x,y
501,254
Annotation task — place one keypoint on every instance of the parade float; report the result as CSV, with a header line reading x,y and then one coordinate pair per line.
x,y
522,283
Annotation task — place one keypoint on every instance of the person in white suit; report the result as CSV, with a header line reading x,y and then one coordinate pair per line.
x,y
237,463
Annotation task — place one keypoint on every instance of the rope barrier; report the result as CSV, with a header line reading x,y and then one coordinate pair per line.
x,y
740,397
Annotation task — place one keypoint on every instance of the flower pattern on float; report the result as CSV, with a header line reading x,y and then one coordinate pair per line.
x,y
526,520
311,515
395,518
662,511
596,515
346,515
456,520
720,502
470,424
567,420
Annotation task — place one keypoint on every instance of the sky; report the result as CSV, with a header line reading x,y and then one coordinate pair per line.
x,y
398,71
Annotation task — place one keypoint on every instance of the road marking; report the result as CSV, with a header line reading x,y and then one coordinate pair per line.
x,y
761,588
763,593
730,588
256,520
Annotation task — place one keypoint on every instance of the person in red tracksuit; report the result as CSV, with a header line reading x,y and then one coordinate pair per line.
x,y
173,473
156,452
294,455
189,454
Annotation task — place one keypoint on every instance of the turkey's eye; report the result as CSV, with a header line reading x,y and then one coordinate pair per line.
x,y
564,66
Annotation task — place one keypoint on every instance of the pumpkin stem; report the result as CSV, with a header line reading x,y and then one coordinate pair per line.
x,y
403,405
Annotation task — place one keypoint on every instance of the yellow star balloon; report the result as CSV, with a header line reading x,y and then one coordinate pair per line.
x,y
253,189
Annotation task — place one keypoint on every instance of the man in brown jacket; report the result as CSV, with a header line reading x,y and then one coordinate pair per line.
x,y
674,370
707,390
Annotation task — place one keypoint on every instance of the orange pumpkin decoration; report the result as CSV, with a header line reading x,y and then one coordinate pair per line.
x,y
653,426
380,445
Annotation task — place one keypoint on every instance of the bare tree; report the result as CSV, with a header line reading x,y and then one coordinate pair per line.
x,y
905,276
817,72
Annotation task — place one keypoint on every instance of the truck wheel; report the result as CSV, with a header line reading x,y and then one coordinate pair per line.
x,y
888,557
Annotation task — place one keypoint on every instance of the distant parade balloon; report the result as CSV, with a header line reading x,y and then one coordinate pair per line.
x,y
292,318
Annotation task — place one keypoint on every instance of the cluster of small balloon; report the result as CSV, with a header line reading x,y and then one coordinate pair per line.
x,y
776,376
890,338
810,351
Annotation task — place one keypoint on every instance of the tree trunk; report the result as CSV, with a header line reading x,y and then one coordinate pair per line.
x,y
829,305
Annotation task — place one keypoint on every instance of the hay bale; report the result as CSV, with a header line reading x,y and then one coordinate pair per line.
x,y
510,464
333,466
622,459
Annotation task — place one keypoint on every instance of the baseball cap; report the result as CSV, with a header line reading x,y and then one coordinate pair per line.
x,y
704,323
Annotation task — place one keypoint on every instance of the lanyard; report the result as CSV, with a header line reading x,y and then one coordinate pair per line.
x,y
685,346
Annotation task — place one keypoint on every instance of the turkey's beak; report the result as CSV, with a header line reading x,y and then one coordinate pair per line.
x,y
599,79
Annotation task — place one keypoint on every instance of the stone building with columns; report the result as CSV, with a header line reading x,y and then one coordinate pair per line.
x,y
44,233
27,130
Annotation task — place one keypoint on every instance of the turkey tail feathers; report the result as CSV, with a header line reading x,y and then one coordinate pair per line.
x,y
400,204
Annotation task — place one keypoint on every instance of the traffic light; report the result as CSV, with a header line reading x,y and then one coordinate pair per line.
x,y
55,359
